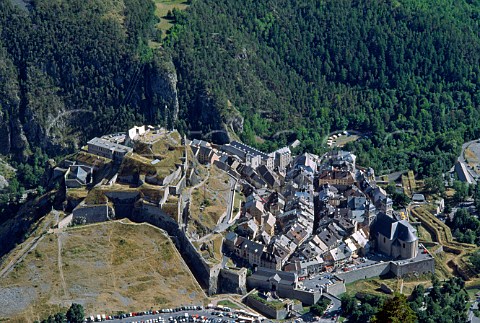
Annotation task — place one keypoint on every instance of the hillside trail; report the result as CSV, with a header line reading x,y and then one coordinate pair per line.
x,y
60,264
110,262
27,247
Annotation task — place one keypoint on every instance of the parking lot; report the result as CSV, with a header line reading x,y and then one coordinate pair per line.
x,y
318,282
182,314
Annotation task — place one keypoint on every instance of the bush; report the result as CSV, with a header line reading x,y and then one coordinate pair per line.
x,y
321,306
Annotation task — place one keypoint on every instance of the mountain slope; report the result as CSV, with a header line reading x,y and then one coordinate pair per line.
x,y
72,70
404,72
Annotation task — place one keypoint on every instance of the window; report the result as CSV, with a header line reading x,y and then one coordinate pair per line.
x,y
404,245
384,240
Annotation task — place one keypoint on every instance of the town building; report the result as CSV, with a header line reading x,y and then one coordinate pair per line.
x,y
133,134
104,148
395,238
336,177
283,157
78,176
249,155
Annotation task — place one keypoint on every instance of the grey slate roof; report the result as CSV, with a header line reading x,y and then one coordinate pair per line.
x,y
100,142
405,232
393,229
78,172
265,274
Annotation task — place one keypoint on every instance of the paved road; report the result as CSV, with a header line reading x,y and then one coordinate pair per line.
x,y
334,310
165,316
461,158
328,317
471,317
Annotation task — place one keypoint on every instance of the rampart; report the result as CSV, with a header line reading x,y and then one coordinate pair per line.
x,y
375,270
336,288
268,310
404,267
306,297
398,268
206,275
232,281
92,213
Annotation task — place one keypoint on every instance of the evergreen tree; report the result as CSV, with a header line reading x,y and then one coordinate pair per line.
x,y
75,313
395,310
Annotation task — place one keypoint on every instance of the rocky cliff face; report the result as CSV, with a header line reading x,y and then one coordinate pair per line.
x,y
29,120
161,89
217,117
9,105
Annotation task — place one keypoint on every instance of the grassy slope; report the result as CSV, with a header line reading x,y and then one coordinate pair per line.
x,y
107,267
216,191
162,8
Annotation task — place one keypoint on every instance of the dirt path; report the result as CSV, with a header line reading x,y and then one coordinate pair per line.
x,y
109,264
20,256
60,265
28,246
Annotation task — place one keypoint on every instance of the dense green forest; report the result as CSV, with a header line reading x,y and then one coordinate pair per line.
x,y
71,70
75,56
403,72
443,302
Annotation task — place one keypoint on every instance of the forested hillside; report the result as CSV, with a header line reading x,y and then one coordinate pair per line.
x,y
74,69
405,72
71,70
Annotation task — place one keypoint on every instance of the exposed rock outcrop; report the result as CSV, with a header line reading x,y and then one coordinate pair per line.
x,y
161,89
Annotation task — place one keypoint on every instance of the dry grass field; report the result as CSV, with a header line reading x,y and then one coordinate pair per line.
x,y
209,201
372,286
162,7
107,267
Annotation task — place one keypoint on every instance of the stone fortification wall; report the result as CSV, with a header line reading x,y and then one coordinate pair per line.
x,y
278,314
72,183
284,291
123,202
261,284
173,177
178,188
364,273
307,298
402,268
233,281
206,275
398,268
336,289
92,213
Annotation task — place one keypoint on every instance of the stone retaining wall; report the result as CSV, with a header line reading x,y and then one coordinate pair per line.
x,y
278,314
375,270
233,281
206,275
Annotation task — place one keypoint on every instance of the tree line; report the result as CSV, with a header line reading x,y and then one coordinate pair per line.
x,y
443,302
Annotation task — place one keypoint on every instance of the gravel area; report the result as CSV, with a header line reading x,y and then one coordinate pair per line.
x,y
15,299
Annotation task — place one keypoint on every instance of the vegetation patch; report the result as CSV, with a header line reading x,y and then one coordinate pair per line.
x,y
228,303
163,10
275,304
209,201
108,267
